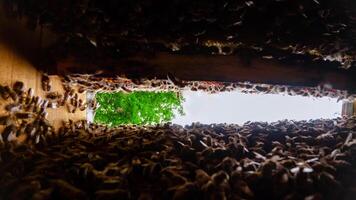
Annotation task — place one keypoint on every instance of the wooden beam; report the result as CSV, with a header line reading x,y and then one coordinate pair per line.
x,y
214,68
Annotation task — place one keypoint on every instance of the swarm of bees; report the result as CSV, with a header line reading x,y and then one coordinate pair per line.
x,y
284,160
308,31
90,82
25,118
313,159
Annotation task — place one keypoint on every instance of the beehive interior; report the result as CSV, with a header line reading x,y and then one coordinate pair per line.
x,y
91,93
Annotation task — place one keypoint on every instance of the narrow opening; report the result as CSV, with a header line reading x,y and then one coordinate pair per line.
x,y
238,108
186,106
139,107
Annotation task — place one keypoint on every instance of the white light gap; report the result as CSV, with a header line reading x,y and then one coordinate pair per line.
x,y
238,108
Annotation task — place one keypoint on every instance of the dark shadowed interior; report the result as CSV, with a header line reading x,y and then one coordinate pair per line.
x,y
90,91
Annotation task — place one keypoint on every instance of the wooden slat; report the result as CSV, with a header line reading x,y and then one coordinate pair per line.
x,y
14,67
215,68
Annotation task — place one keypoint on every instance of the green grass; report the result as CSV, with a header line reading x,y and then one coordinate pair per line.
x,y
142,108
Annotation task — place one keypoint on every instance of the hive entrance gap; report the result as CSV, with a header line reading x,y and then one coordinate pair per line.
x,y
237,108
186,106
138,107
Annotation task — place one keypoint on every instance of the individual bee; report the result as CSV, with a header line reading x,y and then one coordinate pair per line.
x,y
92,104
19,87
45,83
44,104
53,95
9,130
74,100
82,106
126,89
64,99
29,96
24,115
5,120
5,92
175,81
14,96
81,89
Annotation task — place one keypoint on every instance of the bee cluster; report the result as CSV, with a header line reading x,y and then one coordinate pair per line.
x,y
24,119
309,31
283,160
309,160
69,98
172,83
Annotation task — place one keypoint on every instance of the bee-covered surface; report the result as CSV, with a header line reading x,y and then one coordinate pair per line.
x,y
286,159
319,31
302,43
76,160
282,160
14,67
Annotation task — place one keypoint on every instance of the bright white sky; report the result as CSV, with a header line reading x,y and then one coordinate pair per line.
x,y
238,108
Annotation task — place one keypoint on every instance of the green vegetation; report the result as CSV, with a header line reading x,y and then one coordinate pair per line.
x,y
143,108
